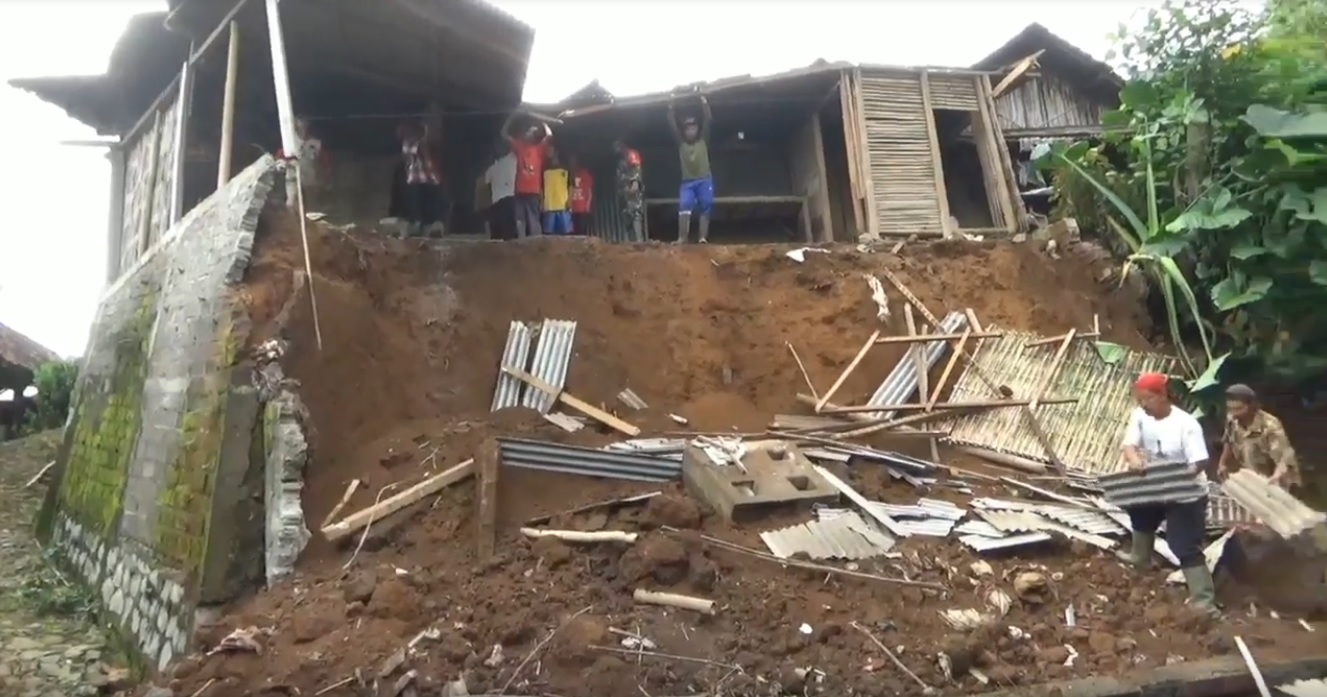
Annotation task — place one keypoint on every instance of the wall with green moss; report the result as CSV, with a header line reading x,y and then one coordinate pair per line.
x,y
161,398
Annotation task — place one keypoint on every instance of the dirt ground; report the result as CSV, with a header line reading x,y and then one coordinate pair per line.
x,y
412,334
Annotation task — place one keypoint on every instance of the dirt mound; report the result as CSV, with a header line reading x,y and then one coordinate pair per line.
x,y
412,334
413,330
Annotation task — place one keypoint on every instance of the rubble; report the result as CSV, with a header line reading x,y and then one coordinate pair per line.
x,y
897,563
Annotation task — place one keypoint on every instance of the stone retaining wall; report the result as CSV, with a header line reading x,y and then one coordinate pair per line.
x,y
158,498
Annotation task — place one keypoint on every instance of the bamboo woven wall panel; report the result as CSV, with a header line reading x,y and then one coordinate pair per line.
x,y
954,92
1085,434
899,150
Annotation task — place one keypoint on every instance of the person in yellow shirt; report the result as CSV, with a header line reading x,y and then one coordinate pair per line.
x,y
557,196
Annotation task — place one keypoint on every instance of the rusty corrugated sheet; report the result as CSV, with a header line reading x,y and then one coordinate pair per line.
x,y
1274,506
841,536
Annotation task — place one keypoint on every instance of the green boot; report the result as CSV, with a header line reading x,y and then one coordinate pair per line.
x,y
1202,589
1140,555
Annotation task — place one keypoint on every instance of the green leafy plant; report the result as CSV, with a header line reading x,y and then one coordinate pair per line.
x,y
55,390
50,593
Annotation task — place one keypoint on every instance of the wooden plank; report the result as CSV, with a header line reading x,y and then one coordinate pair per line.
x,y
345,499
922,338
1058,339
986,139
392,504
872,210
937,166
920,367
489,459
977,404
578,404
949,368
861,353
1009,179
822,192
1008,80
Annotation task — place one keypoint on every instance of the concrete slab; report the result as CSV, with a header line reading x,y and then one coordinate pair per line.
x,y
1217,677
777,477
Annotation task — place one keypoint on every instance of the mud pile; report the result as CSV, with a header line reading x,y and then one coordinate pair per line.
x,y
412,333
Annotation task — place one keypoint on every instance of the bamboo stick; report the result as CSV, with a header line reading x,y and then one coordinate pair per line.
x,y
582,536
861,353
926,338
949,368
685,602
1049,378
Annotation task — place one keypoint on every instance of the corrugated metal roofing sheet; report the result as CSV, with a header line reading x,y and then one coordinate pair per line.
x,y
1274,506
1211,555
569,459
928,527
902,380
924,508
516,355
979,527
841,536
1082,519
861,502
982,543
1171,482
1305,688
551,359
1028,521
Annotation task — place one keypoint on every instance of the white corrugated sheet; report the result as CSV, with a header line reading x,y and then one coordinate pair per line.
x,y
1305,688
1274,506
842,535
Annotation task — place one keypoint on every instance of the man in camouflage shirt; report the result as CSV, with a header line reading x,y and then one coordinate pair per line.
x,y
631,187
1255,438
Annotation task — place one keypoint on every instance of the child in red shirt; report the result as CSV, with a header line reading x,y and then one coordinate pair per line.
x,y
582,198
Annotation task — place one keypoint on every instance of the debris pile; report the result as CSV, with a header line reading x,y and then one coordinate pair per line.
x,y
693,513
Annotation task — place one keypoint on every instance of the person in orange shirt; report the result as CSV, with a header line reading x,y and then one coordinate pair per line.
x,y
582,198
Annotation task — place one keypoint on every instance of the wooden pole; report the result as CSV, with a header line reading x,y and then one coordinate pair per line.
x,y
285,107
228,106
178,148
926,338
153,165
980,404
949,368
848,371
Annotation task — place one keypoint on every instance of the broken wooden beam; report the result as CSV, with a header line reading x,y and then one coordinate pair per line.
x,y
921,338
1049,378
1008,80
684,602
345,499
392,504
989,404
1059,338
949,368
861,353
576,403
582,536
489,459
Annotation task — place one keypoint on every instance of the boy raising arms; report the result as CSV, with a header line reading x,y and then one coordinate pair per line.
x,y
696,192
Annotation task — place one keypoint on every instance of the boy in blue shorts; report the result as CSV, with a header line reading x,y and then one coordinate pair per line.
x,y
557,197
697,190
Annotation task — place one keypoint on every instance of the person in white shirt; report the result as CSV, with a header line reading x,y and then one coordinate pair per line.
x,y
501,180
1161,433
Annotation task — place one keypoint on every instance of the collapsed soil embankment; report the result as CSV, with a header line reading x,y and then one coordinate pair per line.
x,y
412,335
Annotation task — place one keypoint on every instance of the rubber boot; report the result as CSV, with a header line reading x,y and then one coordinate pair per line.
x,y
637,229
1202,590
704,226
683,228
1140,553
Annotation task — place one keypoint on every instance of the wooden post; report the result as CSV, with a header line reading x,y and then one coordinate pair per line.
x,y
489,460
228,106
822,192
153,165
872,211
941,193
115,218
285,107
178,148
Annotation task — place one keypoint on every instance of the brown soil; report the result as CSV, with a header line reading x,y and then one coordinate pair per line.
x,y
412,332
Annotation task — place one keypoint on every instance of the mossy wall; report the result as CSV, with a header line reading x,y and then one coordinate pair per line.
x,y
136,485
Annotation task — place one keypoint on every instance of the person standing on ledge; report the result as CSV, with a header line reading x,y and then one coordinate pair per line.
x,y
1161,433
1256,439
697,190
631,187
530,147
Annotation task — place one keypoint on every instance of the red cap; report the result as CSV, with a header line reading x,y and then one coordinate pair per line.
x,y
1152,382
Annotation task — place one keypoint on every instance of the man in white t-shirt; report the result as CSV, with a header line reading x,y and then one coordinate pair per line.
x,y
1161,433
501,179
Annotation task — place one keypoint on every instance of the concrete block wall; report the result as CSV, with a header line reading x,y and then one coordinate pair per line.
x,y
157,500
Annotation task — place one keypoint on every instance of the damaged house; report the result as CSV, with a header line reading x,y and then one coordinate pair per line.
x,y
20,357
179,482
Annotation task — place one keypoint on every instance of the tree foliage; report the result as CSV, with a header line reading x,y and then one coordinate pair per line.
x,y
55,392
1212,177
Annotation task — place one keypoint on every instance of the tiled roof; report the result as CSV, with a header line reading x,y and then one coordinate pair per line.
x,y
19,350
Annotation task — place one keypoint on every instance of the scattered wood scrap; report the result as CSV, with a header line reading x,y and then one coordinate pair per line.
x,y
345,499
576,403
684,602
392,504
582,536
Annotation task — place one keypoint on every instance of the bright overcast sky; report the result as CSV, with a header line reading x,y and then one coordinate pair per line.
x,y
53,243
